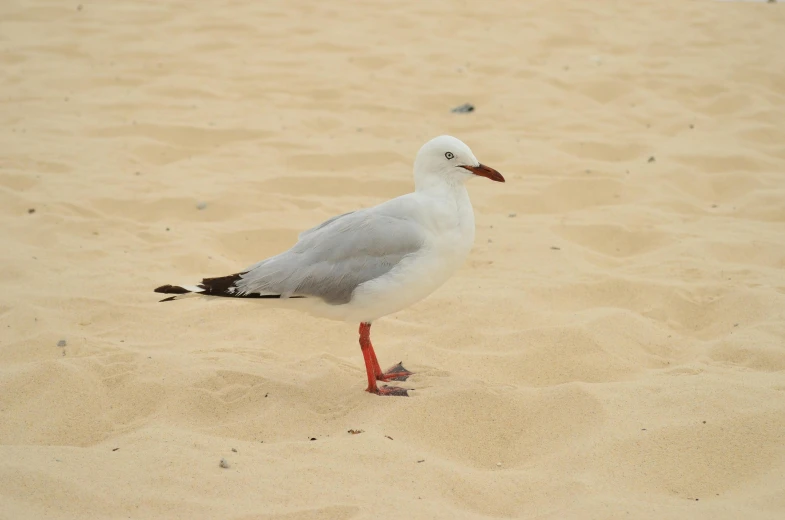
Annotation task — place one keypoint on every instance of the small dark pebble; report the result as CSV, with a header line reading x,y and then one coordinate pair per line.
x,y
704,422
266,394
115,449
167,229
313,438
234,450
643,429
692,126
31,210
61,343
389,437
423,460
512,215
652,159
735,324
556,248
463,109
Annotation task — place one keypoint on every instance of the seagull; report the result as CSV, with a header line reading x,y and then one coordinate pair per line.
x,y
366,264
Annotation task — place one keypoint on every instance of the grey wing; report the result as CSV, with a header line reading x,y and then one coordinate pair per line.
x,y
332,259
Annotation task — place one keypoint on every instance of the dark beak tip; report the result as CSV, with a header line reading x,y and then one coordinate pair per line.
x,y
494,175
485,171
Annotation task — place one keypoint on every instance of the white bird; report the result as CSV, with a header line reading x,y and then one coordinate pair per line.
x,y
372,262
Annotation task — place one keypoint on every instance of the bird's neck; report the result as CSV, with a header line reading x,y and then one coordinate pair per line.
x,y
450,185
450,198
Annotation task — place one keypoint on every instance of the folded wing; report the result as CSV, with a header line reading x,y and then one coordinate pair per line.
x,y
332,259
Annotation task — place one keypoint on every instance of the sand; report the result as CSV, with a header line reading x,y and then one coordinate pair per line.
x,y
613,348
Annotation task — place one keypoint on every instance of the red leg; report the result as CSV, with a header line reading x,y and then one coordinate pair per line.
x,y
377,370
374,371
365,346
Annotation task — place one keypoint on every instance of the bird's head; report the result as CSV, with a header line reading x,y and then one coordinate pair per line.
x,y
449,159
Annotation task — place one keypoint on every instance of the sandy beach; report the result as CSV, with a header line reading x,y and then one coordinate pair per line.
x,y
614,347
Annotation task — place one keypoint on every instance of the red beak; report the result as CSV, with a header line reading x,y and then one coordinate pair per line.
x,y
485,171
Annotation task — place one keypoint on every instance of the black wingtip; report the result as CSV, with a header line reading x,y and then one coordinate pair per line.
x,y
171,289
221,286
171,298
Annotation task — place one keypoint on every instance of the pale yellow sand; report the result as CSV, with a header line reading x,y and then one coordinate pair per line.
x,y
613,348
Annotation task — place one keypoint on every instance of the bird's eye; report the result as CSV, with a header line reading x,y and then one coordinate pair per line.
x,y
449,155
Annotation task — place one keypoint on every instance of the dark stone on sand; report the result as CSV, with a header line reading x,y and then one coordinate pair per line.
x,y
463,109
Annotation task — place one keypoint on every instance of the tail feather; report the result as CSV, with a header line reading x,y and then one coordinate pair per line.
x,y
221,286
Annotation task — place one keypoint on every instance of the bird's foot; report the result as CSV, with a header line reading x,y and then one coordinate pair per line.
x,y
396,373
389,390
